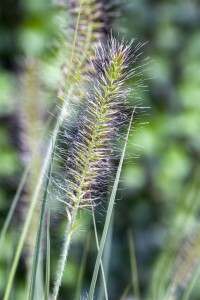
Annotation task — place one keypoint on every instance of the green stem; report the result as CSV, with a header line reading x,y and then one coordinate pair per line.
x,y
134,271
39,231
73,47
82,268
126,291
48,253
63,259
13,206
102,268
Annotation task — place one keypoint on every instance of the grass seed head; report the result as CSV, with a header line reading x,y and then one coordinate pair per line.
x,y
88,166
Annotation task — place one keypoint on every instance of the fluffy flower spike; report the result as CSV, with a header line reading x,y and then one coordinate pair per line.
x,y
88,164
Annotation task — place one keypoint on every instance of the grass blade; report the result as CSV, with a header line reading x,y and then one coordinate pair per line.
x,y
21,186
13,206
106,256
108,217
101,264
48,254
82,268
126,291
39,234
29,216
134,273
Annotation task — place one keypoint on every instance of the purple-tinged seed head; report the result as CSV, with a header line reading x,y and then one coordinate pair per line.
x,y
99,118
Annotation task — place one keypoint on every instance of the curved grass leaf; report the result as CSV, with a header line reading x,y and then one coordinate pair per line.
x,y
13,206
26,225
20,187
108,216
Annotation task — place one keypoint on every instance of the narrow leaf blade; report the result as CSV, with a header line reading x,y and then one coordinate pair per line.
x,y
108,216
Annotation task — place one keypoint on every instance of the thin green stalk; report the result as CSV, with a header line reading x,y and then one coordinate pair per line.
x,y
134,272
73,47
106,257
71,226
108,216
97,242
13,206
48,255
39,232
82,268
126,291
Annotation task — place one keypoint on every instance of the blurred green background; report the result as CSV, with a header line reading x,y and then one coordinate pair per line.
x,y
162,165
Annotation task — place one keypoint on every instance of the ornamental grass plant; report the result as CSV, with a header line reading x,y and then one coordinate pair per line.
x,y
77,107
